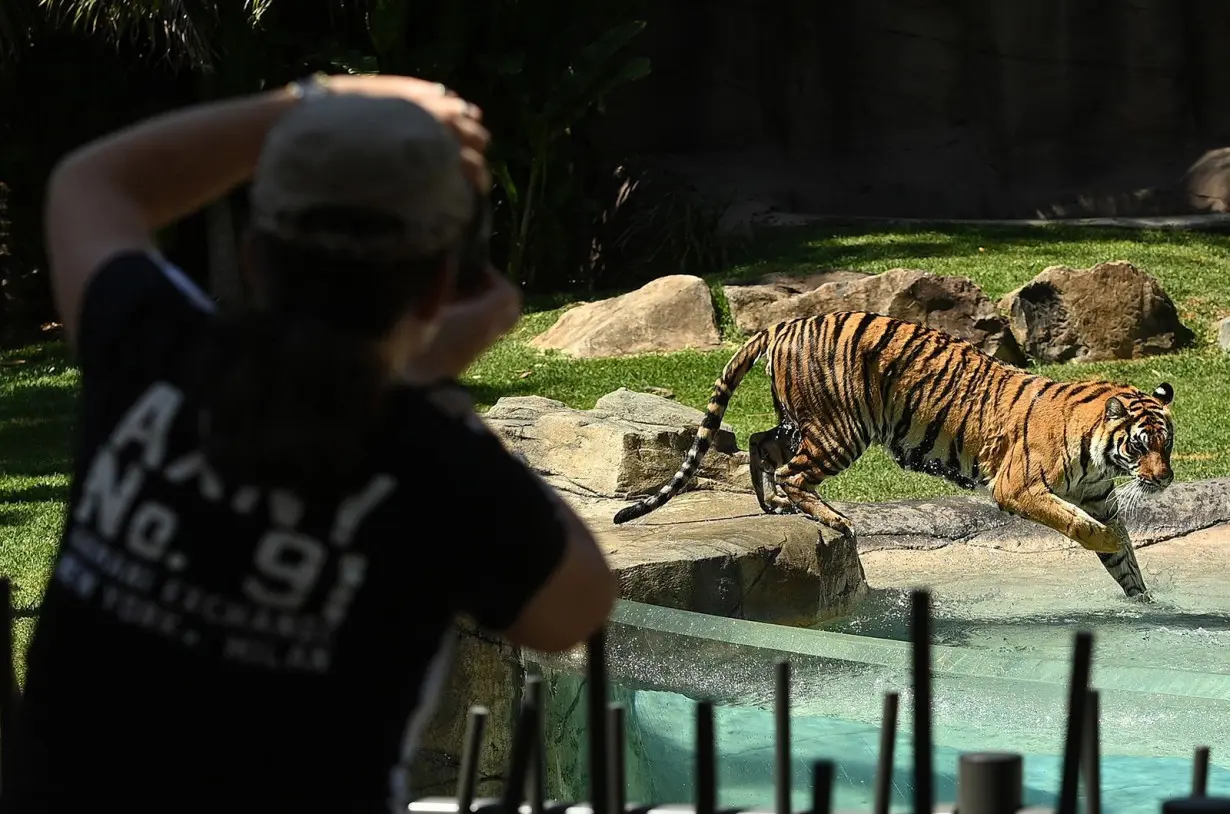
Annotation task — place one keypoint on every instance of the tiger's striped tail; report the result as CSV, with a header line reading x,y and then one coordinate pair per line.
x,y
723,389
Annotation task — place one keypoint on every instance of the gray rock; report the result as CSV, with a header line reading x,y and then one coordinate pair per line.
x,y
717,553
1110,311
757,304
629,444
713,551
667,314
951,304
486,671
937,522
1223,334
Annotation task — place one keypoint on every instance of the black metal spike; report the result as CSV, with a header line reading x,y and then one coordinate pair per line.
x,y
618,778
521,756
471,751
990,782
920,638
1200,772
1092,759
1196,805
781,710
1078,695
822,772
884,764
706,760
599,782
538,770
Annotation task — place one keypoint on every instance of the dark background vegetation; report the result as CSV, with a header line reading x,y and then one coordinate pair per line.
x,y
614,116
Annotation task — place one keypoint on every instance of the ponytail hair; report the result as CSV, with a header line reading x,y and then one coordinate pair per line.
x,y
293,392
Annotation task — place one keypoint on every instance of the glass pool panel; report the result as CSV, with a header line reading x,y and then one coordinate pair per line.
x,y
986,697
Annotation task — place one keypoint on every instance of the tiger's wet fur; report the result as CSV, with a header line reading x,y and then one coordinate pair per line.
x,y
1047,451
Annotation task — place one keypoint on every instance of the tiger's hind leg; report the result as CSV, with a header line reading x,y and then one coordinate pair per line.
x,y
798,477
769,451
1121,565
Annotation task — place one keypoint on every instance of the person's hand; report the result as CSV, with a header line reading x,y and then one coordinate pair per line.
x,y
469,327
462,117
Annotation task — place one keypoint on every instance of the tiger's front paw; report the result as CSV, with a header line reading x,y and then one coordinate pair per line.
x,y
1103,541
780,504
841,526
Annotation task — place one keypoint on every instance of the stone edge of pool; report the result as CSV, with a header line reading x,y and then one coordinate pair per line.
x,y
715,552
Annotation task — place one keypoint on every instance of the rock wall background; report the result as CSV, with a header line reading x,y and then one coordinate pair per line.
x,y
919,108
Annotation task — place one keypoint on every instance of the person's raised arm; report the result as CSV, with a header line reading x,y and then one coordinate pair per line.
x,y
535,573
576,599
113,194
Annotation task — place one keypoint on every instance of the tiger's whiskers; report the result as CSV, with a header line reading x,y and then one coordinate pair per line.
x,y
1128,496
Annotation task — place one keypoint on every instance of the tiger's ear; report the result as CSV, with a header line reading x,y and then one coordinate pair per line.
x,y
1115,408
1164,393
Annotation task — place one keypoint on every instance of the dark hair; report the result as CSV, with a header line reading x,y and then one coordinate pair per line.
x,y
293,387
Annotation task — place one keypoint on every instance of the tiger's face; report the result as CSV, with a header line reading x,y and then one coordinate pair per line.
x,y
1141,436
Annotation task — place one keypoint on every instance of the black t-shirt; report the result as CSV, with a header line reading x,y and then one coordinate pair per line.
x,y
209,645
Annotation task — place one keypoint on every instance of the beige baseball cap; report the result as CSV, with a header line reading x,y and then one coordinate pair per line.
x,y
380,154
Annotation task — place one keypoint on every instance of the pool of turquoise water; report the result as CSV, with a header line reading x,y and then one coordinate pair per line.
x,y
1131,784
1000,683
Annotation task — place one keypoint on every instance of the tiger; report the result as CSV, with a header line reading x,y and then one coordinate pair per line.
x,y
1045,450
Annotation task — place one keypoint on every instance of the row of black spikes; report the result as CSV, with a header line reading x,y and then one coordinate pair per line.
x,y
985,793
982,788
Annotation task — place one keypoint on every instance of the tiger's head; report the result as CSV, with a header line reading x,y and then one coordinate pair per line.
x,y
1140,436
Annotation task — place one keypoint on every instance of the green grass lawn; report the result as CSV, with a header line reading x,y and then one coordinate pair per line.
x,y
37,384
1192,269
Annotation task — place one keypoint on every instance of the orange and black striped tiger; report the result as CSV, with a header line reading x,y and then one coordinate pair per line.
x,y
1047,450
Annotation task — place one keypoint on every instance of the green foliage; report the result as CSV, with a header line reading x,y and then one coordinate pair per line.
x,y
660,224
17,20
540,69
186,30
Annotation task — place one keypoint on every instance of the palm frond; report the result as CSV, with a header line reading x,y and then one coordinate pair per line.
x,y
183,28
17,17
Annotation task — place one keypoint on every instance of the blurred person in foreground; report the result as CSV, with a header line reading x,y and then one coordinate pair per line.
x,y
272,528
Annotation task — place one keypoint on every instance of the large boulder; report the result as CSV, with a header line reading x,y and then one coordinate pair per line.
x,y
952,304
712,551
718,553
1206,184
668,314
757,304
488,672
1110,311
629,444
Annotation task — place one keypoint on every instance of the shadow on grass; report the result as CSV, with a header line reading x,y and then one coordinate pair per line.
x,y
487,393
36,431
35,493
833,246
